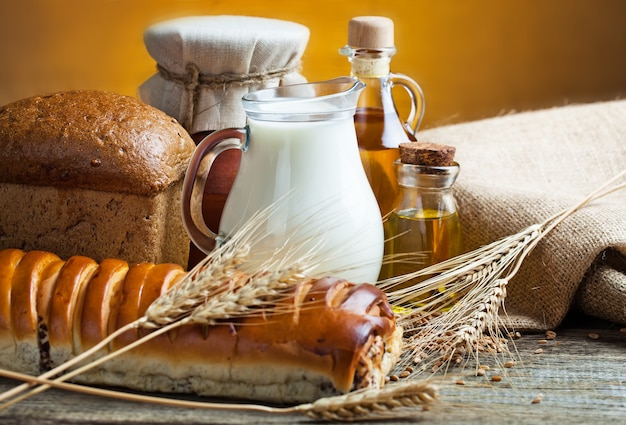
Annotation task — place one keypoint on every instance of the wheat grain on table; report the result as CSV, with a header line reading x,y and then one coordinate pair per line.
x,y
577,377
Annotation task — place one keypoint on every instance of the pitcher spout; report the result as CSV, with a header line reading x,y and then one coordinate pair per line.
x,y
318,101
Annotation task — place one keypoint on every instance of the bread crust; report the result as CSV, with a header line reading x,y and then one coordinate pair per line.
x,y
9,259
92,140
100,300
65,305
31,272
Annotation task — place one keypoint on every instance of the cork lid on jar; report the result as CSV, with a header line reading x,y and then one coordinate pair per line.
x,y
427,153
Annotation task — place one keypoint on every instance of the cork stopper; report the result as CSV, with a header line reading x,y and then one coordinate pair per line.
x,y
425,153
374,32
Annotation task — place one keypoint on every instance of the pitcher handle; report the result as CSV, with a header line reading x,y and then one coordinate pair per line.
x,y
195,180
417,100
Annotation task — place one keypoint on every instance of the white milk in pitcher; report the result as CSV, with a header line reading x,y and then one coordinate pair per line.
x,y
312,172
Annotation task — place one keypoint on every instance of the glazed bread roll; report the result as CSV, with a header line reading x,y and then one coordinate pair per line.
x,y
95,174
329,336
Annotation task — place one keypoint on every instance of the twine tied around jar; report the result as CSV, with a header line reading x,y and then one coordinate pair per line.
x,y
193,80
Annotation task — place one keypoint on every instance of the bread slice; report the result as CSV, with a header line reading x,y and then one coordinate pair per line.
x,y
9,259
66,305
93,173
100,299
31,277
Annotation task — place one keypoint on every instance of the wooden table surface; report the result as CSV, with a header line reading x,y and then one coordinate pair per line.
x,y
582,380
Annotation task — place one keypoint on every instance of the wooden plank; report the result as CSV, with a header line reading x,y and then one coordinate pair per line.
x,y
582,380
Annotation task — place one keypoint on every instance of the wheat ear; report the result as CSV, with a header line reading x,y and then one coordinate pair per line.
x,y
202,315
227,256
454,321
228,307
392,401
217,279
206,278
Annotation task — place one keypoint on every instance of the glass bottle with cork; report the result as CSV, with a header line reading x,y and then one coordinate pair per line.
x,y
378,126
424,227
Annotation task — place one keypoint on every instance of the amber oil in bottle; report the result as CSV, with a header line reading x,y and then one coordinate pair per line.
x,y
424,227
379,129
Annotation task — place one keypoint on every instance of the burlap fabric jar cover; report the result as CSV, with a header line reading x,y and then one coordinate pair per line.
x,y
206,64
521,168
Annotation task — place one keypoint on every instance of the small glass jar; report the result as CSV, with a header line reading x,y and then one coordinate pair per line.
x,y
424,227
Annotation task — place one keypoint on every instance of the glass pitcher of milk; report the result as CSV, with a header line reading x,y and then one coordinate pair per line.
x,y
300,158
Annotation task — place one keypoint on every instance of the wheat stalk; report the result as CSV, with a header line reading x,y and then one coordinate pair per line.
x,y
222,286
216,283
202,314
396,400
463,331
449,323
453,320
208,278
226,306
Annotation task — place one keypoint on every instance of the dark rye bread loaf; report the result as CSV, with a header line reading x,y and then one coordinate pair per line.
x,y
93,173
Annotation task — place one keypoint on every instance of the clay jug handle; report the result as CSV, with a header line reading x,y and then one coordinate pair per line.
x,y
195,179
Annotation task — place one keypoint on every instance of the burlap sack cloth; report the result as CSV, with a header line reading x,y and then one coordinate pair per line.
x,y
519,169
206,64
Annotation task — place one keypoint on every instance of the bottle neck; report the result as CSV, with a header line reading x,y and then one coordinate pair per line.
x,y
365,68
426,191
426,177
369,63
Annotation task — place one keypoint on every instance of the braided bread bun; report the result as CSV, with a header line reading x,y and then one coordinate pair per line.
x,y
329,336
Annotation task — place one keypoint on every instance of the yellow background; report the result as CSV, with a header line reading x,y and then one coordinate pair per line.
x,y
474,58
